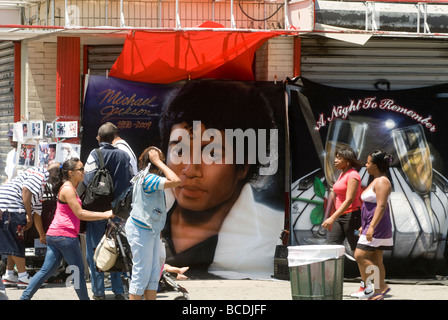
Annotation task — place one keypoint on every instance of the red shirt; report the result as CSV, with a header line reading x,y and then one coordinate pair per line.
x,y
340,189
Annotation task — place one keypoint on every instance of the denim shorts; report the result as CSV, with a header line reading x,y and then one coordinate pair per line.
x,y
12,241
145,248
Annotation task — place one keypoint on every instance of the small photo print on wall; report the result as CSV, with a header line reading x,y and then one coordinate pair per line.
x,y
47,154
17,130
65,151
48,130
27,155
36,129
66,129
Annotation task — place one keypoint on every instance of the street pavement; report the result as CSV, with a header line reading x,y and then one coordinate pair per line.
x,y
236,290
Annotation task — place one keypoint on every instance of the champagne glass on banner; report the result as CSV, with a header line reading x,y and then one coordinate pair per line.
x,y
341,133
415,159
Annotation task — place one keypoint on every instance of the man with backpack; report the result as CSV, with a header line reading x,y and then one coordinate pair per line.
x,y
117,163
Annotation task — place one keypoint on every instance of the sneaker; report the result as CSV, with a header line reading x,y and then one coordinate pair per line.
x,y
23,282
357,293
360,290
10,280
367,293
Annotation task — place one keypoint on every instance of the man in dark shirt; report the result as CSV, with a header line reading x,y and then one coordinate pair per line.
x,y
117,162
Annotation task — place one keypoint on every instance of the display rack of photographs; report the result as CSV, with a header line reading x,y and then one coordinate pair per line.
x,y
40,143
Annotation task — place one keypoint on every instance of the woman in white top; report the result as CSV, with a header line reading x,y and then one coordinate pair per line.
x,y
376,226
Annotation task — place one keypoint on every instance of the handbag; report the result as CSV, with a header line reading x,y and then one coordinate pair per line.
x,y
106,253
122,206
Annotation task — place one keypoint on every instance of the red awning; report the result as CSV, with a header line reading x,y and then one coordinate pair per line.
x,y
165,57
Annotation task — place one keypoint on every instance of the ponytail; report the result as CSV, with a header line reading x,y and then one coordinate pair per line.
x,y
382,160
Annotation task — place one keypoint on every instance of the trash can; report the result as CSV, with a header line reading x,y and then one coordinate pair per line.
x,y
316,272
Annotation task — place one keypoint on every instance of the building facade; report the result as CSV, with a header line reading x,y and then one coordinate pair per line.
x,y
46,47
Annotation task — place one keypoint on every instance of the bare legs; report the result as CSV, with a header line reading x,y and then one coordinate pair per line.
x,y
18,261
148,295
367,261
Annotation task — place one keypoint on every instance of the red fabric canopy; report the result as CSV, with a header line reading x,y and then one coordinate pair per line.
x,y
165,57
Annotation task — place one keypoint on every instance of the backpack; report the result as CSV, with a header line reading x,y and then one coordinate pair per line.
x,y
99,193
122,206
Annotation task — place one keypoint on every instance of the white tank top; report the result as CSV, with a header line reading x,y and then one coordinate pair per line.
x,y
369,195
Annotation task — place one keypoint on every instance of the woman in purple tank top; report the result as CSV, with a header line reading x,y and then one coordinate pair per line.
x,y
376,226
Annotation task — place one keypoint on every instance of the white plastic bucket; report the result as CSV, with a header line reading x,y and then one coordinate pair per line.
x,y
302,255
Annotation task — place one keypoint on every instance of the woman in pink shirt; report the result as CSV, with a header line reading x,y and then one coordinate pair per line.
x,y
62,235
347,218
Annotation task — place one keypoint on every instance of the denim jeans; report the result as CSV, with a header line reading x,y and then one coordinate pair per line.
x,y
94,232
58,248
12,241
145,248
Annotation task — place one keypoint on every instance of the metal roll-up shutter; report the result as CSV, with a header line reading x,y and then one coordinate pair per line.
x,y
102,57
6,100
404,62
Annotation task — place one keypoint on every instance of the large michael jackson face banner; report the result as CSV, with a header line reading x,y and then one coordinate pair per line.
x,y
226,142
411,126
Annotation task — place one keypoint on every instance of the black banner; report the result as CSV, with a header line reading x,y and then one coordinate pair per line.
x,y
408,124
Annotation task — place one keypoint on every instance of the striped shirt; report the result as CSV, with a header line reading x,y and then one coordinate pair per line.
x,y
153,182
34,179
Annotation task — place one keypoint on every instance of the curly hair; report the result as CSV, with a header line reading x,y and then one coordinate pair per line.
x,y
144,160
219,105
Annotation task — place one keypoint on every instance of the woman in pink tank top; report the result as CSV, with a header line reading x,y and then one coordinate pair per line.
x,y
347,218
62,235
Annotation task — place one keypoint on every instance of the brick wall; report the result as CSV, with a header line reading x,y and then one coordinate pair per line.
x,y
41,81
275,58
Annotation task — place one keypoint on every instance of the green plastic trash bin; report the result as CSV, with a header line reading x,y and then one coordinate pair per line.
x,y
316,272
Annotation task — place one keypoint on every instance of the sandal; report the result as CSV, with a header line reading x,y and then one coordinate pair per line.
x,y
379,296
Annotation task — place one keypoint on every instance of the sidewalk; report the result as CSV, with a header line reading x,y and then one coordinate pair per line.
x,y
254,290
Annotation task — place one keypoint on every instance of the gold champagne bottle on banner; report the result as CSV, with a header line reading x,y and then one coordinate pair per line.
x,y
415,159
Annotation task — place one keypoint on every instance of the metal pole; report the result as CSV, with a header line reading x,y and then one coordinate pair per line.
x,y
287,24
67,20
178,25
367,16
426,19
232,18
160,14
418,17
121,14
265,15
